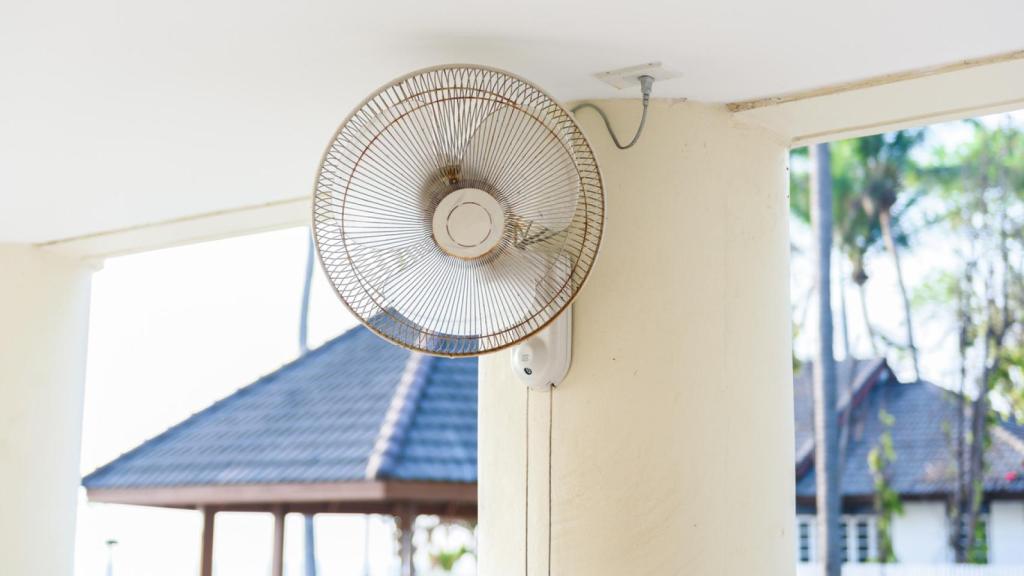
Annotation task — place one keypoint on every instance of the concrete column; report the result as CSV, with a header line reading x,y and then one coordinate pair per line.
x,y
671,440
44,315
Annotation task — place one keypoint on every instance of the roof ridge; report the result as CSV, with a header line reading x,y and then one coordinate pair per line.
x,y
864,378
266,378
864,372
398,415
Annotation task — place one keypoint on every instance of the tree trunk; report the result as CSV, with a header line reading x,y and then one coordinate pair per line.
x,y
826,433
847,414
958,500
976,463
885,222
842,309
867,319
996,325
999,317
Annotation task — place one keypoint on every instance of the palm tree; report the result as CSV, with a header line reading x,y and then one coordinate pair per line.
x,y
826,432
886,159
855,232
860,278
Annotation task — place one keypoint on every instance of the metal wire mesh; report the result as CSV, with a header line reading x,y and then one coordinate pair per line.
x,y
408,146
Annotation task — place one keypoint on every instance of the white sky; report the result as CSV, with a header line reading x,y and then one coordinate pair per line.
x,y
174,330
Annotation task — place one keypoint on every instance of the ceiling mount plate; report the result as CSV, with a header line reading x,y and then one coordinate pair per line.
x,y
630,76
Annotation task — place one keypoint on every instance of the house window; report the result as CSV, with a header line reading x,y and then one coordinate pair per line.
x,y
804,535
844,539
857,538
863,539
805,538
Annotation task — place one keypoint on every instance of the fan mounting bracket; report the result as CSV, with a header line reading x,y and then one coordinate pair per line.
x,y
630,76
543,360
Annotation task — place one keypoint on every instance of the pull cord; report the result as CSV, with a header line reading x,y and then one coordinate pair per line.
x,y
551,433
526,519
646,83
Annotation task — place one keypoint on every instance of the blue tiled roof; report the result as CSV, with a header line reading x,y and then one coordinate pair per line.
x,y
322,418
925,417
359,408
441,438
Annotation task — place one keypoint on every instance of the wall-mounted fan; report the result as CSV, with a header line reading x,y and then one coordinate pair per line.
x,y
459,210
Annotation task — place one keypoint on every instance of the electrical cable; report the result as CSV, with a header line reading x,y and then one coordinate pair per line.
x,y
646,82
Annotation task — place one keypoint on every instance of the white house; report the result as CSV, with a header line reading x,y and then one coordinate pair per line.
x,y
923,472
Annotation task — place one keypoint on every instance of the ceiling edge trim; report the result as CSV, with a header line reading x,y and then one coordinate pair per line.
x,y
253,219
744,105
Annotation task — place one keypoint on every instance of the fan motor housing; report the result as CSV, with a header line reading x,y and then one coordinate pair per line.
x,y
468,223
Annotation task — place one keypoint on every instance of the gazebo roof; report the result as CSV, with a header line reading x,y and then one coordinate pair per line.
x,y
355,425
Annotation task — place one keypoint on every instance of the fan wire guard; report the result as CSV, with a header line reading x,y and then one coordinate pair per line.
x,y
406,148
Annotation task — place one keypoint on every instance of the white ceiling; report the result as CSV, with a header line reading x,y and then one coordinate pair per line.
x,y
115,113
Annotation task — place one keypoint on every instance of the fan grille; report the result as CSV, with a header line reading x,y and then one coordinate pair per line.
x,y
406,148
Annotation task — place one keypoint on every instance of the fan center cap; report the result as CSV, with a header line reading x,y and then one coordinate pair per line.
x,y
468,223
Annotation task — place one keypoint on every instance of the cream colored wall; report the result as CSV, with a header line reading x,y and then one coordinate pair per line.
x,y
44,311
672,438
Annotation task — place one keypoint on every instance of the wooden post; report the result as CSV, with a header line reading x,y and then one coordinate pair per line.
x,y
206,554
309,543
277,568
406,524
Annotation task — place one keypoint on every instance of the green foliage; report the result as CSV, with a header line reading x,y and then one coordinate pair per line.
x,y
887,500
868,175
886,163
978,554
1010,380
444,556
855,231
939,289
800,184
446,559
974,195
979,188
797,363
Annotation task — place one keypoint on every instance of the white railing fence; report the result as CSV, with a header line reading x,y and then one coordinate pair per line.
x,y
915,570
